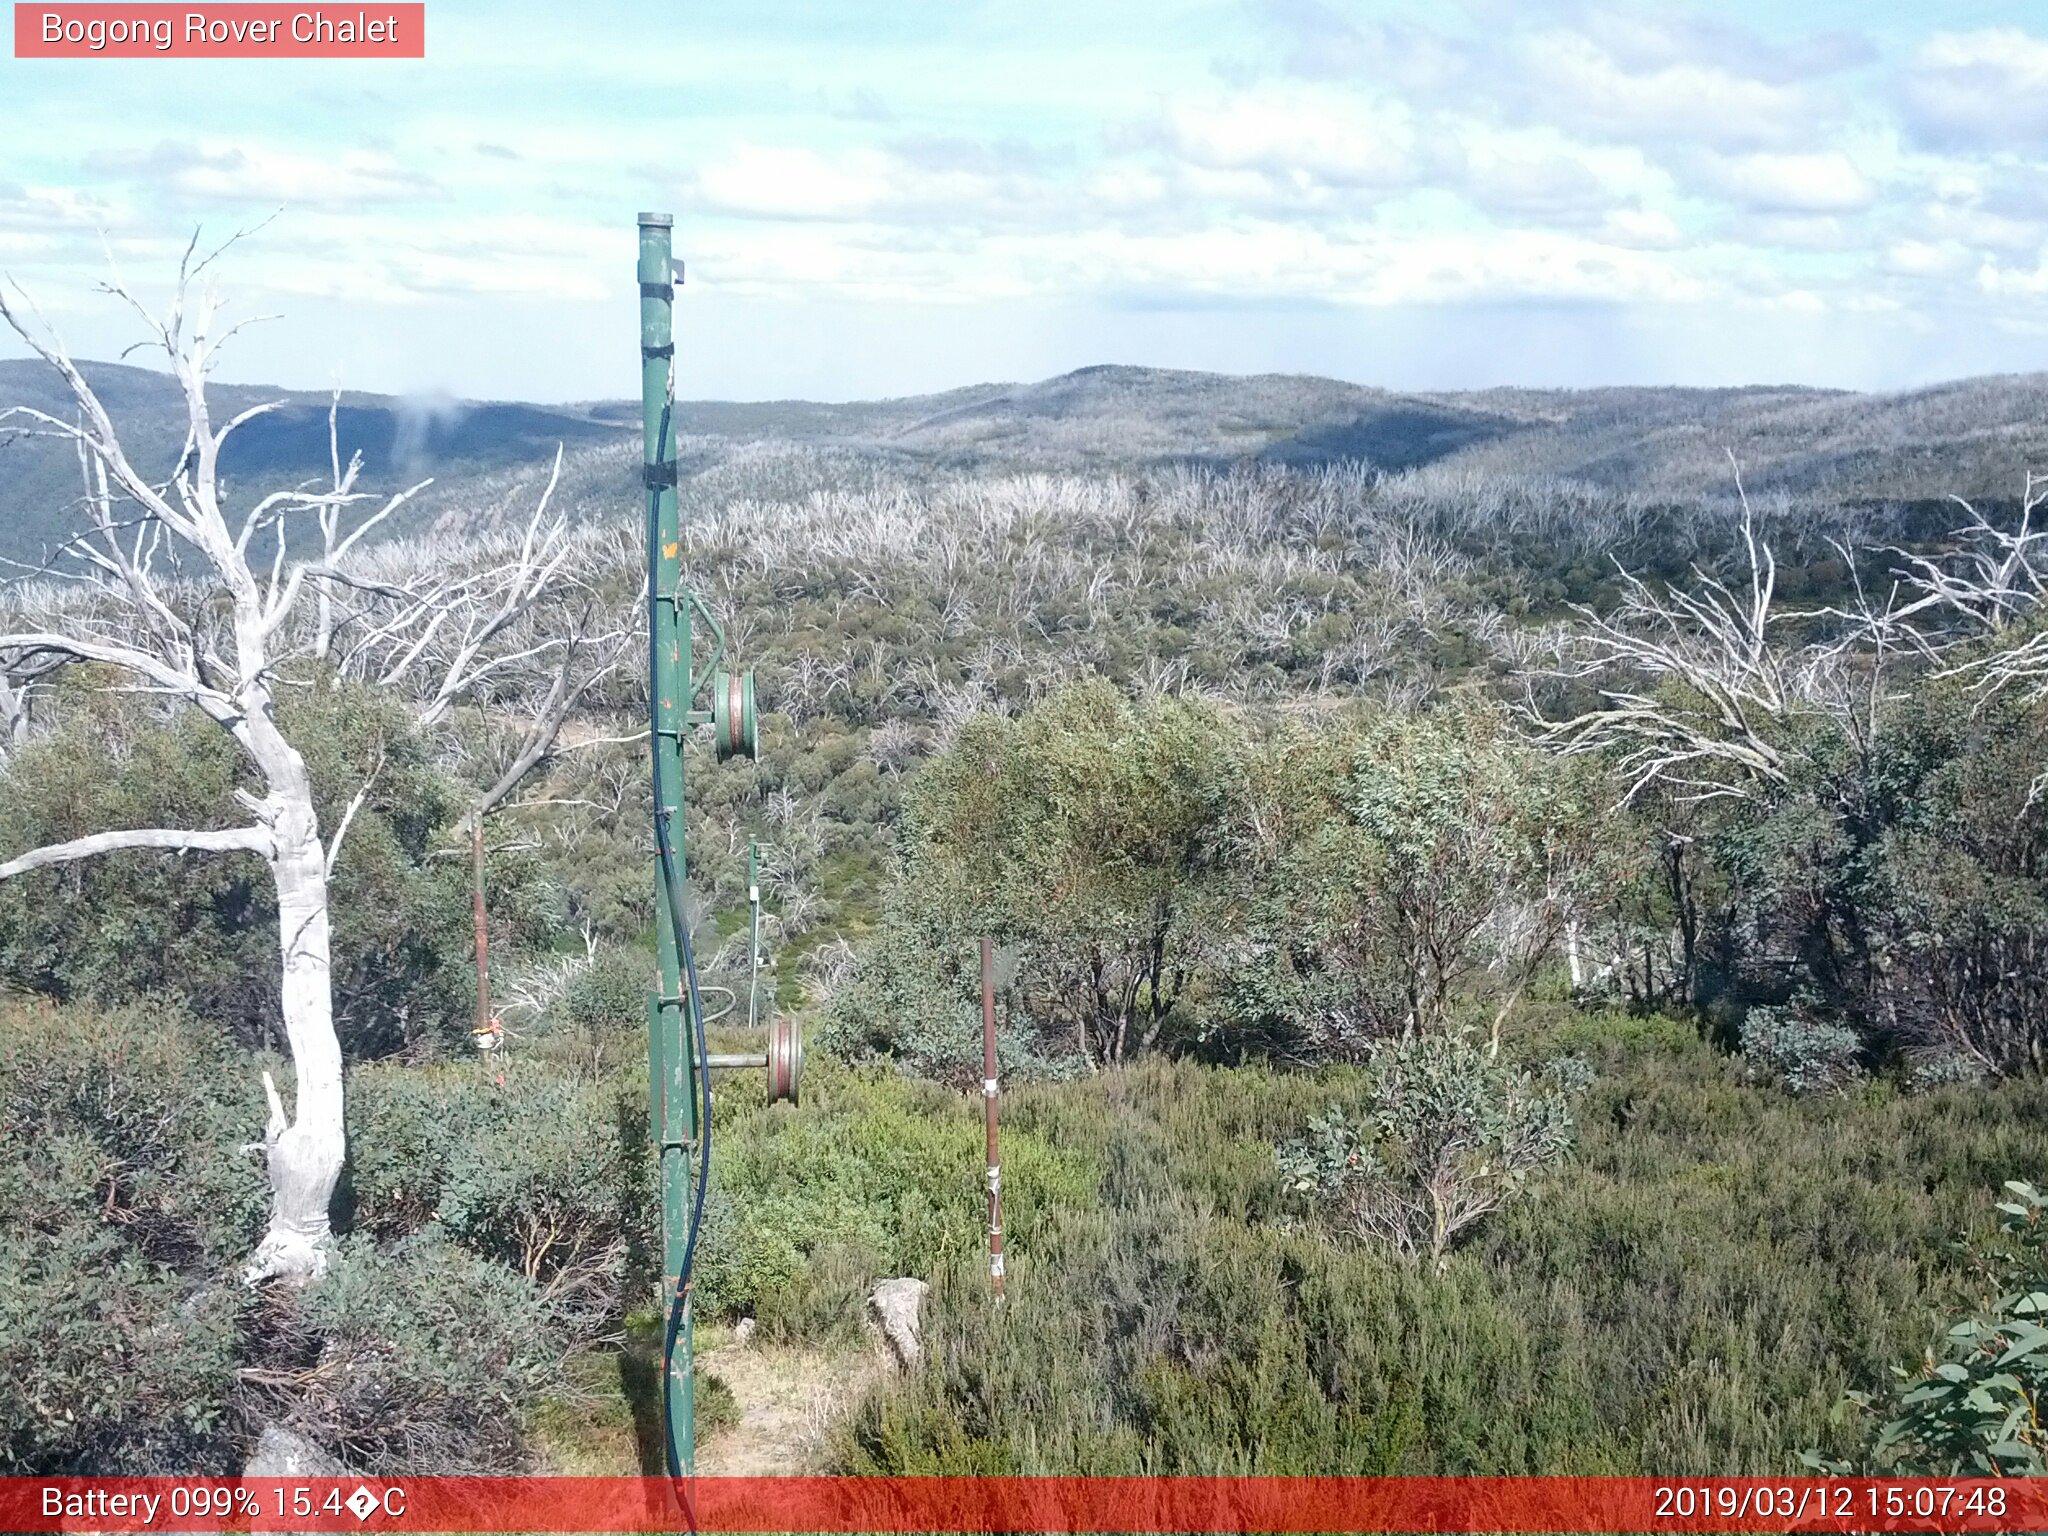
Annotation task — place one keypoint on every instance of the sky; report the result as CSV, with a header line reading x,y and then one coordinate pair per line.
x,y
888,198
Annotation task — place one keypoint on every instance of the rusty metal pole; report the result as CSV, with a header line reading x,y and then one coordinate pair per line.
x,y
483,928
989,1090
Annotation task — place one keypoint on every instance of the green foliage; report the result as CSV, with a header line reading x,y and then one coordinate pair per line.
x,y
418,1357
1445,1134
1716,1264
494,1233
875,1177
1396,868
717,1409
1805,1053
124,1200
1971,1409
110,1364
610,995
915,1002
1161,871
203,928
196,925
131,1118
1895,877
545,1175
1088,838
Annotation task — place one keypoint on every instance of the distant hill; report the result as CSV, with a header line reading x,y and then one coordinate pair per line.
x,y
401,441
1974,437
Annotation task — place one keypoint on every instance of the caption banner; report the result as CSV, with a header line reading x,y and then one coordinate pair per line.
x,y
238,31
1192,1504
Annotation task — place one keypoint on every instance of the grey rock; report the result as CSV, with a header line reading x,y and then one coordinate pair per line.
x,y
899,1303
282,1452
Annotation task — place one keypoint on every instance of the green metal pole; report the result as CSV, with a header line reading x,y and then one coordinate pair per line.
x,y
672,1037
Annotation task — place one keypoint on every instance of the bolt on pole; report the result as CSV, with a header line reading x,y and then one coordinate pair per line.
x,y
989,1092
671,1035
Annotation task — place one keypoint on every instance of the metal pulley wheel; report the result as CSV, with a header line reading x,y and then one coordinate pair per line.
x,y
732,715
785,1060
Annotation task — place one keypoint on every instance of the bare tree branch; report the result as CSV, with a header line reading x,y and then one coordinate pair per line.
x,y
231,840
1705,734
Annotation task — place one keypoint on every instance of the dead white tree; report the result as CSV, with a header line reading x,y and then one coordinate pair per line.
x,y
20,681
1994,579
175,596
1986,598
495,621
1691,682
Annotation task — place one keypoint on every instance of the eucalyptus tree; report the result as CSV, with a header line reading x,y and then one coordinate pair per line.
x,y
187,591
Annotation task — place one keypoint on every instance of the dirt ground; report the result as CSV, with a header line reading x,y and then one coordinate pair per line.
x,y
787,1398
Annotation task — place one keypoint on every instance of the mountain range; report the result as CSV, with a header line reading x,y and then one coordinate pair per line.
x,y
1973,437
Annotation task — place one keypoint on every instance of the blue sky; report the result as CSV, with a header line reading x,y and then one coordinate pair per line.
x,y
886,198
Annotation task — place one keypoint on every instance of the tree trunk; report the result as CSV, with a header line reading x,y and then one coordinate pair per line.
x,y
306,1154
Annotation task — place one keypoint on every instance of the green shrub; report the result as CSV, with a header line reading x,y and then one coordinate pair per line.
x,y
717,1409
876,1176
203,929
1088,837
1971,1408
156,1108
1702,1280
1805,1054
125,1199
416,1357
915,1003
609,996
1160,872
111,1365
545,1175
1894,873
1395,868
1446,1134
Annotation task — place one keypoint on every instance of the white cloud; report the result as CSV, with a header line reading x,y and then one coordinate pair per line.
x,y
1793,232
1641,38
1826,182
924,182
1332,138
766,181
1568,79
1923,258
1321,44
2015,282
1980,228
1251,261
216,172
1549,187
1984,89
1649,229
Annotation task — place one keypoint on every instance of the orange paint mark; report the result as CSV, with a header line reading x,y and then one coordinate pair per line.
x,y
668,551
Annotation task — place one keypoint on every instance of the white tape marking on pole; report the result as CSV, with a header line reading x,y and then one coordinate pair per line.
x,y
988,1088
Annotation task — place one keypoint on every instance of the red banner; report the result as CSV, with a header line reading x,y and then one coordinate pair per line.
x,y
1063,1504
237,31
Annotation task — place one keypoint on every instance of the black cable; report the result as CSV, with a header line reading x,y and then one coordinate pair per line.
x,y
680,928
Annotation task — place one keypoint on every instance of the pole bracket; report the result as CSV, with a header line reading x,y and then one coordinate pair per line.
x,y
659,477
